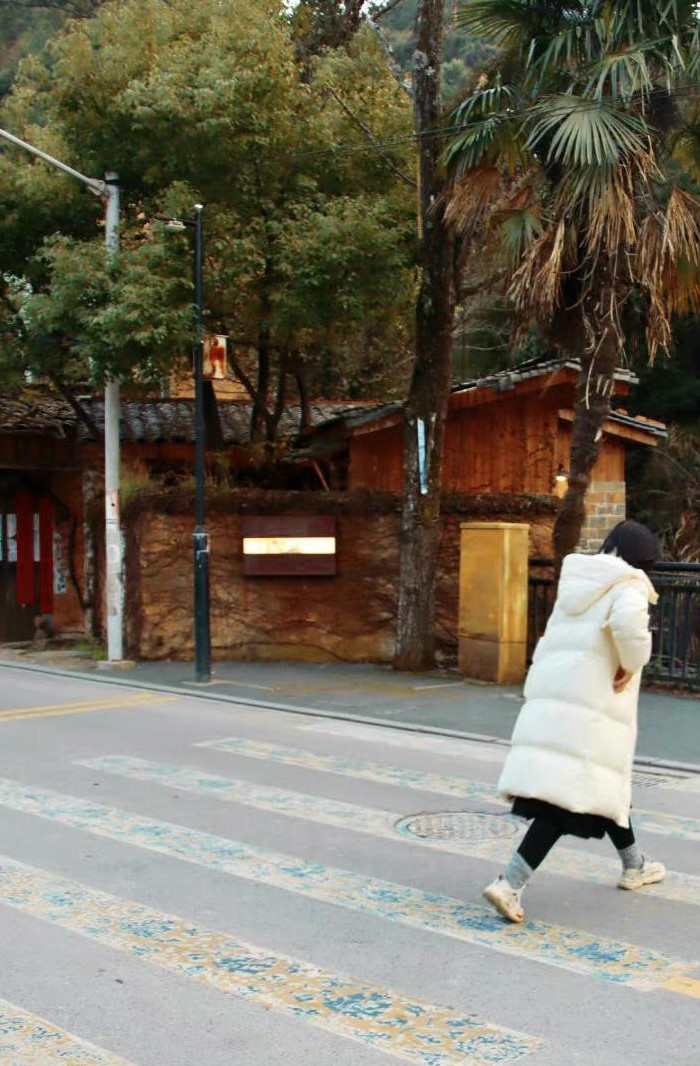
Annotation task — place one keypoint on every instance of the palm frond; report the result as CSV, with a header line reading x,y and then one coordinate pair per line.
x,y
576,42
495,137
621,75
578,132
612,226
517,229
503,23
536,286
487,101
472,197
667,263
693,51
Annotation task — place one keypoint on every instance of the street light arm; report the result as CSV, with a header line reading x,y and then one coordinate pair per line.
x,y
99,188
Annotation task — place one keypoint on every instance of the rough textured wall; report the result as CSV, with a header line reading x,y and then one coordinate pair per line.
x,y
69,579
605,507
349,617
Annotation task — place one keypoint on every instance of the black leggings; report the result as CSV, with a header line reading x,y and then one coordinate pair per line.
x,y
543,835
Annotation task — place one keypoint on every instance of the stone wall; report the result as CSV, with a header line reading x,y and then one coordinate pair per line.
x,y
605,507
349,617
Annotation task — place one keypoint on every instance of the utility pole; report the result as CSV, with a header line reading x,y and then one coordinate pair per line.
x,y
108,191
202,628
114,554
202,635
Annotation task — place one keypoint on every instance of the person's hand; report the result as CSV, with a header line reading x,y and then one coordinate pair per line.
x,y
621,679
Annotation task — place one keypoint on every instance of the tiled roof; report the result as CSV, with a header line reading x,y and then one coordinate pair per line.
x,y
647,425
173,420
533,368
36,413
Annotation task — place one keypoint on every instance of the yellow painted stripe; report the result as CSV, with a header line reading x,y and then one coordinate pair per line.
x,y
684,986
33,1041
447,785
422,1033
551,945
106,700
52,710
566,862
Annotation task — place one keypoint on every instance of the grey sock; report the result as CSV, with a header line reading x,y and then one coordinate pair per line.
x,y
632,858
517,873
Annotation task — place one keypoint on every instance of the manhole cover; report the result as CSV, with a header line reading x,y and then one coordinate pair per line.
x,y
465,826
649,779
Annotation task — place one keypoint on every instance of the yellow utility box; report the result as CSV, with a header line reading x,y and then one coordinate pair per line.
x,y
493,581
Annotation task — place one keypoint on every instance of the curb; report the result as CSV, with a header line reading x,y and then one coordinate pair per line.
x,y
102,677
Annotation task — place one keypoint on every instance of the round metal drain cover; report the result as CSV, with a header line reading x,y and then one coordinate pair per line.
x,y
647,779
466,826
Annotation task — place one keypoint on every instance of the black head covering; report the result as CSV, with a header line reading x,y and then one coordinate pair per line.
x,y
634,543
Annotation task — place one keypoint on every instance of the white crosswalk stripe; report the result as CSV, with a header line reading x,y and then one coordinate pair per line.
x,y
552,945
362,1012
26,1040
565,862
441,784
417,1032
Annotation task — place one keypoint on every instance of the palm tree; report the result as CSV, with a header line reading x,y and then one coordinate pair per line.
x,y
570,158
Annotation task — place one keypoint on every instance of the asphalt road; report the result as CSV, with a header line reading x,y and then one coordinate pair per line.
x,y
185,881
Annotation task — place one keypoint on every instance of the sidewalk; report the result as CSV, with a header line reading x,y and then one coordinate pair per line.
x,y
669,726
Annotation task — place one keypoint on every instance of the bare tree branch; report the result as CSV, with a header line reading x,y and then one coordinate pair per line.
x,y
371,138
394,65
83,416
244,379
483,285
385,10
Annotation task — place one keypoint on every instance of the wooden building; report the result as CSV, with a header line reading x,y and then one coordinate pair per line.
x,y
506,456
509,433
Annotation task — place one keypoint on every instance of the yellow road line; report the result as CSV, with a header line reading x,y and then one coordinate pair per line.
x,y
107,700
684,986
84,707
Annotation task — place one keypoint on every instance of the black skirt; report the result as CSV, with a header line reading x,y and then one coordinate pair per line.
x,y
569,823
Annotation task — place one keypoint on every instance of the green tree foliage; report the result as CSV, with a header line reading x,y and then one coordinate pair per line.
x,y
568,164
22,32
309,237
465,55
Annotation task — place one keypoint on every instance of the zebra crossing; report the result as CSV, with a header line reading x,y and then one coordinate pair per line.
x,y
386,1020
32,1041
566,948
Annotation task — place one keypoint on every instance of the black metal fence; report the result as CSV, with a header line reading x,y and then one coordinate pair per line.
x,y
540,600
675,621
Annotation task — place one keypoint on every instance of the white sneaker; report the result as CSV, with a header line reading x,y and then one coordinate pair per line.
x,y
649,873
506,899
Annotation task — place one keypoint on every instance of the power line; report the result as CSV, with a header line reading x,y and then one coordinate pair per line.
x,y
350,148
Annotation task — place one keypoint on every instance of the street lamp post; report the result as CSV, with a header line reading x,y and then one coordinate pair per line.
x,y
202,633
108,191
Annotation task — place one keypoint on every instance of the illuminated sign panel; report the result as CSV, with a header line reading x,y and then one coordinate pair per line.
x,y
289,545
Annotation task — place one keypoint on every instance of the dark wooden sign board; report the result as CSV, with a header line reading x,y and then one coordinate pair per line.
x,y
289,564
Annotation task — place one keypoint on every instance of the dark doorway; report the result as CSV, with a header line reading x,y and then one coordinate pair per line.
x,y
26,562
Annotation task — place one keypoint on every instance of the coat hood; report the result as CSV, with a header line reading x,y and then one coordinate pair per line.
x,y
585,578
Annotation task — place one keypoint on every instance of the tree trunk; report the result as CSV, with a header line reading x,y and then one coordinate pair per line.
x,y
280,400
426,408
212,418
305,415
258,429
592,407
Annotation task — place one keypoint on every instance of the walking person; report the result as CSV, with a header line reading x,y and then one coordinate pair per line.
x,y
569,768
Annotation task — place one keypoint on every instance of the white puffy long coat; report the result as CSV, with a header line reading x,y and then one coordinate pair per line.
x,y
574,740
